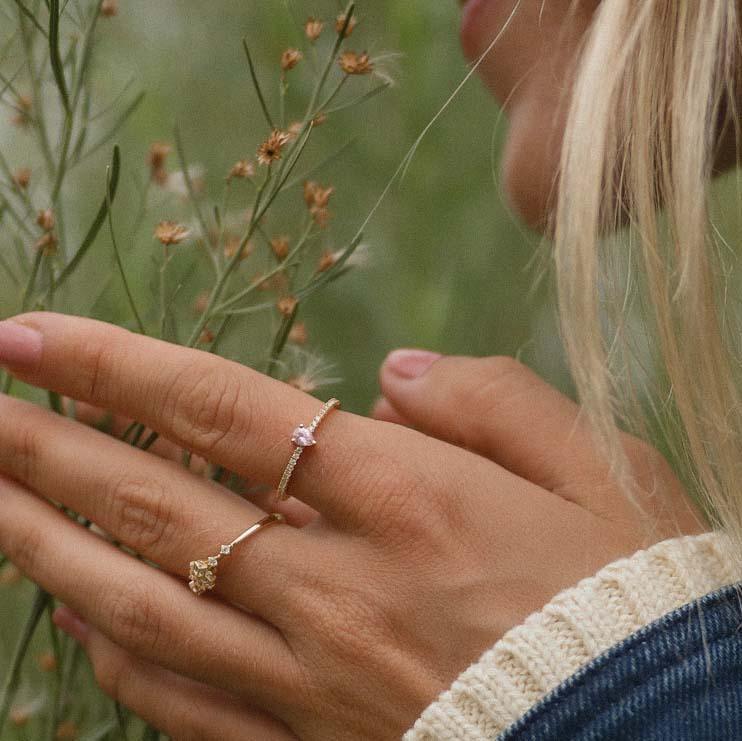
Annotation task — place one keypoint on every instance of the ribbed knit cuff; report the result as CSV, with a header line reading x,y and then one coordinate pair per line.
x,y
577,625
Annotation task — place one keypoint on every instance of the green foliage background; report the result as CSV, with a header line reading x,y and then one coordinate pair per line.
x,y
449,267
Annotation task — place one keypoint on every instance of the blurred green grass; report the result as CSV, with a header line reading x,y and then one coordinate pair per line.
x,y
449,267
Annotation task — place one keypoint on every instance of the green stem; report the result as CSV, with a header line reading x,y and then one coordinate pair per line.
x,y
12,680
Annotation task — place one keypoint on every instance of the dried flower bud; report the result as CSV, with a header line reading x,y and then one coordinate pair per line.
x,y
19,716
320,216
46,220
156,159
355,64
109,8
340,23
326,261
315,195
298,334
22,115
10,575
242,169
319,119
168,233
201,303
232,244
294,130
47,244
67,731
270,150
22,178
47,661
280,247
287,305
207,337
313,28
290,58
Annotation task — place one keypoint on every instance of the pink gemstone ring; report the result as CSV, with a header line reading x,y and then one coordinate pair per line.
x,y
303,437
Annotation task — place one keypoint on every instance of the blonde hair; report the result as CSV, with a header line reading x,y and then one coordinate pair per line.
x,y
650,334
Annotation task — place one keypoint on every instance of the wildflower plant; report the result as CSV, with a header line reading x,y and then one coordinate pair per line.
x,y
242,266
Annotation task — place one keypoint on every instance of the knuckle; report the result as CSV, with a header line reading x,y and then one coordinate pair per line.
x,y
25,454
143,513
203,408
96,358
135,619
24,549
504,379
112,674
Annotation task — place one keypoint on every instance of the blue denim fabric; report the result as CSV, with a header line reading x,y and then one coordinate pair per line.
x,y
678,679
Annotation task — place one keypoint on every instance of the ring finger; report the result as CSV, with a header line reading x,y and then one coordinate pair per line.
x,y
143,609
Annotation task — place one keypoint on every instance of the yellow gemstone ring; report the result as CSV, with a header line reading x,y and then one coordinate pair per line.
x,y
203,572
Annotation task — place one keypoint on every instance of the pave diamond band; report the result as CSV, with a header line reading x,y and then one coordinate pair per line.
x,y
203,571
303,437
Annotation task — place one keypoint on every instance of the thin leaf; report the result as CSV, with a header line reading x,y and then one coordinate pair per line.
x,y
54,55
360,99
12,679
100,218
256,84
119,262
189,184
100,732
332,274
280,340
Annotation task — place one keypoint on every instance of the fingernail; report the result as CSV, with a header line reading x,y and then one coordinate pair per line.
x,y
19,346
410,364
71,623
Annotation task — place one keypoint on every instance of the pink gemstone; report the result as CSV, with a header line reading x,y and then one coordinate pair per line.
x,y
303,437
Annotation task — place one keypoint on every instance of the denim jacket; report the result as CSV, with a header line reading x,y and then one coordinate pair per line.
x,y
678,679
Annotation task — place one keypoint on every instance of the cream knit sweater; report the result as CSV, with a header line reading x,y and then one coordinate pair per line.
x,y
574,628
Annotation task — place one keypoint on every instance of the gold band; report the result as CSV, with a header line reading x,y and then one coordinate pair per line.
x,y
303,437
203,572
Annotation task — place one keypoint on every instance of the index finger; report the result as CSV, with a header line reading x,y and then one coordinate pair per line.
x,y
223,411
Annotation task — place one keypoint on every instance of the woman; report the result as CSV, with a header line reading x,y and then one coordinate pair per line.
x,y
416,544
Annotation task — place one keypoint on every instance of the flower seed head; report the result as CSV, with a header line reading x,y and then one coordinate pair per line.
x,y
270,150
156,159
67,731
242,169
298,334
319,119
169,233
353,63
313,29
47,244
22,178
280,247
232,244
316,195
326,261
47,661
290,58
207,337
287,305
320,215
340,23
201,303
22,115
46,220
109,8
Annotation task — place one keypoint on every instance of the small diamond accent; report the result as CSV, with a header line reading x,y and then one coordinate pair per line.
x,y
225,550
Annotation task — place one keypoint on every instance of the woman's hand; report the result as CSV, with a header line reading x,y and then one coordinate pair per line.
x,y
405,556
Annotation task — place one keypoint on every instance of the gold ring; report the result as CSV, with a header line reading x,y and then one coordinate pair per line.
x,y
203,572
303,437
